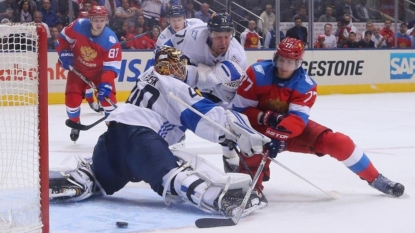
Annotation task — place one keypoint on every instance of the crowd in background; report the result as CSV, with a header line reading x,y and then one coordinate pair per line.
x,y
138,23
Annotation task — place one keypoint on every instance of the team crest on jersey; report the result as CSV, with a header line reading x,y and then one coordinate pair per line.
x,y
162,36
259,69
194,34
112,39
277,105
88,53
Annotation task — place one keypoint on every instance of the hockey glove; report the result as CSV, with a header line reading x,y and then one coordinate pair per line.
x,y
104,91
66,59
270,118
279,139
249,141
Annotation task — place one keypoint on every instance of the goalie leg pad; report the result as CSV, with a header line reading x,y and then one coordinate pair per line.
x,y
74,185
201,183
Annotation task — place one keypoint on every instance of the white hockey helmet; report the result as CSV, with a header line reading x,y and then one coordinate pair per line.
x,y
221,80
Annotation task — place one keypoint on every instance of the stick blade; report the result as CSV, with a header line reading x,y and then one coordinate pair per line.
x,y
75,125
214,222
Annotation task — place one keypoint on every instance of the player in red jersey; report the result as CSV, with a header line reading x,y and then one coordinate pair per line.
x,y
92,49
277,96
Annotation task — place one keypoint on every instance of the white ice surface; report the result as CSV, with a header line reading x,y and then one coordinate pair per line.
x,y
381,124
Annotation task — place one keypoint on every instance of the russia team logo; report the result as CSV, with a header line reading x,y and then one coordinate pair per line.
x,y
402,65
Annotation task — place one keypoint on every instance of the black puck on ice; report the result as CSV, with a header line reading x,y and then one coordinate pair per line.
x,y
122,224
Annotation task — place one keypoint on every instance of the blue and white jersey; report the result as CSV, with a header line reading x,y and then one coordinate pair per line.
x,y
149,105
194,42
168,32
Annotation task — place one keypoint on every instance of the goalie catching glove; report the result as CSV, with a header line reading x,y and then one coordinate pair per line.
x,y
249,140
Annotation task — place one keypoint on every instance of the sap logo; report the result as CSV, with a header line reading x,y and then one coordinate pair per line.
x,y
402,65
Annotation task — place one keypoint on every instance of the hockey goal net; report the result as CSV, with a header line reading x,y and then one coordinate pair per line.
x,y
24,200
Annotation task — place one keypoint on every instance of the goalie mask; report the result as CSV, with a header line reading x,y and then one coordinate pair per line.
x,y
221,80
169,62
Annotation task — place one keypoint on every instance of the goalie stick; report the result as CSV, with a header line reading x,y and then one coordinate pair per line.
x,y
135,37
218,222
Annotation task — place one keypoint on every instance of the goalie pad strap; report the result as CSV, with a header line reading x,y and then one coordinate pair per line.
x,y
172,190
191,189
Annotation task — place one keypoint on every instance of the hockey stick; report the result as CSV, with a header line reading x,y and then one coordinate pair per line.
x,y
273,160
79,126
135,37
216,222
91,84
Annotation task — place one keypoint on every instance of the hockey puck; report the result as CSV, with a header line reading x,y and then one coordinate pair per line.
x,y
122,224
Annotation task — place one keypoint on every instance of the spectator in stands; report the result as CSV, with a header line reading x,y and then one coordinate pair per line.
x,y
143,42
141,21
288,14
163,23
121,31
127,12
49,16
203,14
328,17
388,34
345,29
154,35
298,31
152,10
5,5
366,41
351,41
348,5
250,38
53,6
319,44
362,12
24,13
412,35
404,41
59,25
377,38
302,14
271,38
38,18
369,27
189,8
87,6
269,17
54,38
110,6
9,15
329,38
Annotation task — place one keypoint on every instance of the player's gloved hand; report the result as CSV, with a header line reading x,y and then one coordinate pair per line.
x,y
249,140
104,91
270,118
66,59
279,139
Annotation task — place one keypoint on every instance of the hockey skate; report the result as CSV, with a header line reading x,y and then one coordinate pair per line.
x,y
233,199
96,107
73,185
387,186
230,165
74,134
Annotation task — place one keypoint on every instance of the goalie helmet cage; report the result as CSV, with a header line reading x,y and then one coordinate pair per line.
x,y
24,181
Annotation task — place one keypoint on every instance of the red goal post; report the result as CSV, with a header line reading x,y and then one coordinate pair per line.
x,y
24,169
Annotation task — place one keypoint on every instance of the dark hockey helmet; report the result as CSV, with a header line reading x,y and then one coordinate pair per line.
x,y
176,11
170,61
220,22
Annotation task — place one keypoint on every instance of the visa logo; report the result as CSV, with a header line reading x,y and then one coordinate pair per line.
x,y
402,65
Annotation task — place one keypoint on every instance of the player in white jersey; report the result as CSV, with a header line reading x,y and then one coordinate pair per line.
x,y
211,43
177,22
135,146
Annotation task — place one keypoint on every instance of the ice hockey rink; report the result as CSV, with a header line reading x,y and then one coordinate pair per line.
x,y
383,125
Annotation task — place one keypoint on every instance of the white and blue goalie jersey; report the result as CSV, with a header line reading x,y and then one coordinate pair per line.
x,y
149,105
